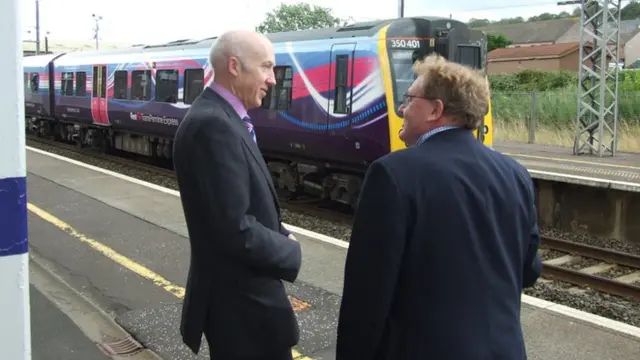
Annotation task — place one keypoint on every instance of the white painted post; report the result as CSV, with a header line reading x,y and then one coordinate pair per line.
x,y
15,326
400,8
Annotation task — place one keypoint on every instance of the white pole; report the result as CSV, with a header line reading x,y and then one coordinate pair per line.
x,y
15,327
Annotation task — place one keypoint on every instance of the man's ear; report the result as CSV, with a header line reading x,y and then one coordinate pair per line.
x,y
437,109
233,66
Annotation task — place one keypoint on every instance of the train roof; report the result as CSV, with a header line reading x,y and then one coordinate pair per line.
x,y
38,60
360,29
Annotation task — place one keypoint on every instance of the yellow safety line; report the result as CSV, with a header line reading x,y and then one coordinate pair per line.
x,y
141,270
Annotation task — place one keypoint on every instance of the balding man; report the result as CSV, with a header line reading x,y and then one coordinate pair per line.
x,y
445,237
240,252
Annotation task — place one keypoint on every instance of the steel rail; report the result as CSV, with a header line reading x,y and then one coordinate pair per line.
x,y
592,252
596,282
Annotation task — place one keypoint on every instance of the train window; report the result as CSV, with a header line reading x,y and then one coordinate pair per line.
x,y
25,84
34,84
167,86
403,75
280,95
469,55
342,73
67,84
81,83
141,85
120,84
193,84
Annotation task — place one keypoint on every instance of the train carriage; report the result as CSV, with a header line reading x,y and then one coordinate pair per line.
x,y
38,85
332,112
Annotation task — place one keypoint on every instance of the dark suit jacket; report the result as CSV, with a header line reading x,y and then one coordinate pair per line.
x,y
445,239
239,248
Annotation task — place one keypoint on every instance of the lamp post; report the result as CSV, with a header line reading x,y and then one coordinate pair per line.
x,y
96,29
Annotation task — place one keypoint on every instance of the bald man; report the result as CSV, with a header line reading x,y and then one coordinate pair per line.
x,y
240,252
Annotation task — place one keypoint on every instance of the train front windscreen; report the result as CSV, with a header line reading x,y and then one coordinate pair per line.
x,y
403,75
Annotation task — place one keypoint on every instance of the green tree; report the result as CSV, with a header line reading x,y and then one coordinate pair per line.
x,y
630,11
497,42
296,17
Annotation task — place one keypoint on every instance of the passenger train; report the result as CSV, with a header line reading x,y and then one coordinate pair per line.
x,y
332,112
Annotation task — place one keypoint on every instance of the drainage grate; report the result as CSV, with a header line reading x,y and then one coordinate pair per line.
x,y
127,346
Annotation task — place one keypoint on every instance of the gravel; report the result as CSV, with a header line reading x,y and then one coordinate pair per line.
x,y
607,243
617,271
329,228
613,307
609,306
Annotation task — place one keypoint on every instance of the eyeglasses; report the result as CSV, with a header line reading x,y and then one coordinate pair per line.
x,y
406,97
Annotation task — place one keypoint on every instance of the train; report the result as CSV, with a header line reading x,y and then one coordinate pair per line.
x,y
333,110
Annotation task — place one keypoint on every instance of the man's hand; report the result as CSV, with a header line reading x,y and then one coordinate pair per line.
x,y
292,237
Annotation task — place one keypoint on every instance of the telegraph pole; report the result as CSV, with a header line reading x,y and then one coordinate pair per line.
x,y
400,8
37,27
597,118
96,29
15,318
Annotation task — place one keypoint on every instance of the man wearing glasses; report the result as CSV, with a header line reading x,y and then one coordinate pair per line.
x,y
445,237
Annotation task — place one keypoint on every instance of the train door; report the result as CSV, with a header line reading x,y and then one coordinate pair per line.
x,y
99,96
340,91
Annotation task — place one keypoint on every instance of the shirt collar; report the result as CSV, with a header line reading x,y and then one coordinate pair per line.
x,y
232,99
432,132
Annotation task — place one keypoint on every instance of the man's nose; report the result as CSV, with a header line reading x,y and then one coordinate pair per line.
x,y
401,110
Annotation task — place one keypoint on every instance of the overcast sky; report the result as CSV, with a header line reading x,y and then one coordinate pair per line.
x,y
152,21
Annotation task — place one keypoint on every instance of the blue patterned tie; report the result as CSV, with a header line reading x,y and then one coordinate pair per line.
x,y
249,124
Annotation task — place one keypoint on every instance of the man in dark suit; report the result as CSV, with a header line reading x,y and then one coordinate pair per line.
x,y
240,252
445,236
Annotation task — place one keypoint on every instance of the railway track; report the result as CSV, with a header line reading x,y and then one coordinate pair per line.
x,y
310,207
604,270
129,162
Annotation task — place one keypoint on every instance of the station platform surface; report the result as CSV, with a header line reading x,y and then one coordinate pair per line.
x,y
624,167
55,336
125,247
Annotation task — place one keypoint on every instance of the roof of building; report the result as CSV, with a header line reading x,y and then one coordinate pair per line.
x,y
628,29
532,32
537,51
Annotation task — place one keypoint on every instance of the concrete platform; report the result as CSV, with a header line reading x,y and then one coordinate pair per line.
x,y
55,336
555,163
65,324
599,196
129,252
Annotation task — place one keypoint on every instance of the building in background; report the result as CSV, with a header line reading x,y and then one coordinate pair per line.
x,y
565,56
553,45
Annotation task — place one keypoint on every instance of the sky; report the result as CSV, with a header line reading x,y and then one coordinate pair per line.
x,y
147,21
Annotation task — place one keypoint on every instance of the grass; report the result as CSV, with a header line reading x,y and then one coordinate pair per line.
x,y
555,114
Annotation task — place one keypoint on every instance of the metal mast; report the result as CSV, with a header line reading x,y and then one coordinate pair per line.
x,y
597,120
96,29
37,27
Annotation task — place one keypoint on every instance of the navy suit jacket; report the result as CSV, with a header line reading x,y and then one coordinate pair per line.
x,y
445,239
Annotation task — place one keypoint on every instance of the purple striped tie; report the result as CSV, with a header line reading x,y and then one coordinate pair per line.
x,y
249,124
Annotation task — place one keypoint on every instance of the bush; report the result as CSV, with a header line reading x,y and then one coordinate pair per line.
x,y
555,101
533,80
